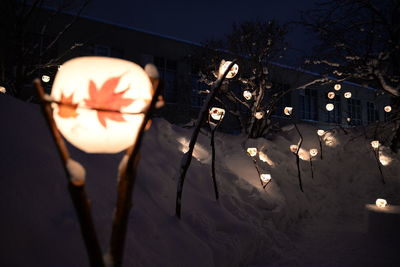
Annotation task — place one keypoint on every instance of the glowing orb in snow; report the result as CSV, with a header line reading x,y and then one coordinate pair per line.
x,y
331,95
233,71
348,119
347,95
252,151
2,89
265,177
217,113
388,108
337,87
247,95
288,111
375,144
45,78
329,107
259,115
101,102
320,132
381,203
313,152
294,148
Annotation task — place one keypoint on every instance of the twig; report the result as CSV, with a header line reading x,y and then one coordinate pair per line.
x,y
77,193
187,158
297,156
376,154
213,157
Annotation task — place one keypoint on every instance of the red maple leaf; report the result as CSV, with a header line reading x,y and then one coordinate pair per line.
x,y
106,98
67,109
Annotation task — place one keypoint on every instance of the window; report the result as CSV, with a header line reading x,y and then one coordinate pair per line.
x,y
372,113
283,101
168,73
354,111
335,115
308,104
198,92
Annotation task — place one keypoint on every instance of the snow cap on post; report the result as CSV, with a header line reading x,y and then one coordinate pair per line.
x,y
100,102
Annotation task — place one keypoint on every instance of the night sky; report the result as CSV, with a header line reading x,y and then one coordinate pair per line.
x,y
198,21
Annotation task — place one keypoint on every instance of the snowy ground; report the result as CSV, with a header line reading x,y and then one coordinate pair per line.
x,y
279,226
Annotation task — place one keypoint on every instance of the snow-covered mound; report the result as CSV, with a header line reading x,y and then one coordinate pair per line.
x,y
248,226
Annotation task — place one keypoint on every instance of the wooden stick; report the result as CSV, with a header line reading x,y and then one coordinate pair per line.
x,y
187,158
77,192
213,159
126,186
376,154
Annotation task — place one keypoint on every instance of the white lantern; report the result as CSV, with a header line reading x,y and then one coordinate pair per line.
x,y
388,108
347,95
320,132
348,119
337,87
329,107
331,95
375,144
259,115
247,95
288,111
45,78
2,90
104,99
265,177
252,151
233,71
381,203
313,152
294,148
217,113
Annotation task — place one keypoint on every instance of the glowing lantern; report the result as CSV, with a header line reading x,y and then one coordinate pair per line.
x,y
331,95
101,101
46,78
233,71
348,119
247,95
381,203
294,148
320,132
313,152
252,151
388,108
2,90
337,87
375,144
347,95
217,113
329,107
288,111
259,115
265,177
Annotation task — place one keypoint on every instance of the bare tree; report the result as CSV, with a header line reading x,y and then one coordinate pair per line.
x,y
27,46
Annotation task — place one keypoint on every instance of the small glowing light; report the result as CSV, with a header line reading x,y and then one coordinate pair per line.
x,y
313,152
337,87
294,148
59,67
331,95
347,95
265,177
375,144
320,132
45,78
348,119
384,159
233,71
2,90
388,108
288,111
329,107
264,158
217,113
381,203
247,95
268,85
252,151
259,115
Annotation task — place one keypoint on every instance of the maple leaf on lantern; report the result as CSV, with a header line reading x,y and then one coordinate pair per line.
x,y
67,109
106,98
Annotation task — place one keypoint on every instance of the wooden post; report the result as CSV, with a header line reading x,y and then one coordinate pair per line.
x,y
77,192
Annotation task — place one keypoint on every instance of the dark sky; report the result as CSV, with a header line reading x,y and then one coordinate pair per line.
x,y
198,20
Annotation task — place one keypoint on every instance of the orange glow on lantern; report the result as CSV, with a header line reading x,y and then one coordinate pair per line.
x,y
100,102
217,113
